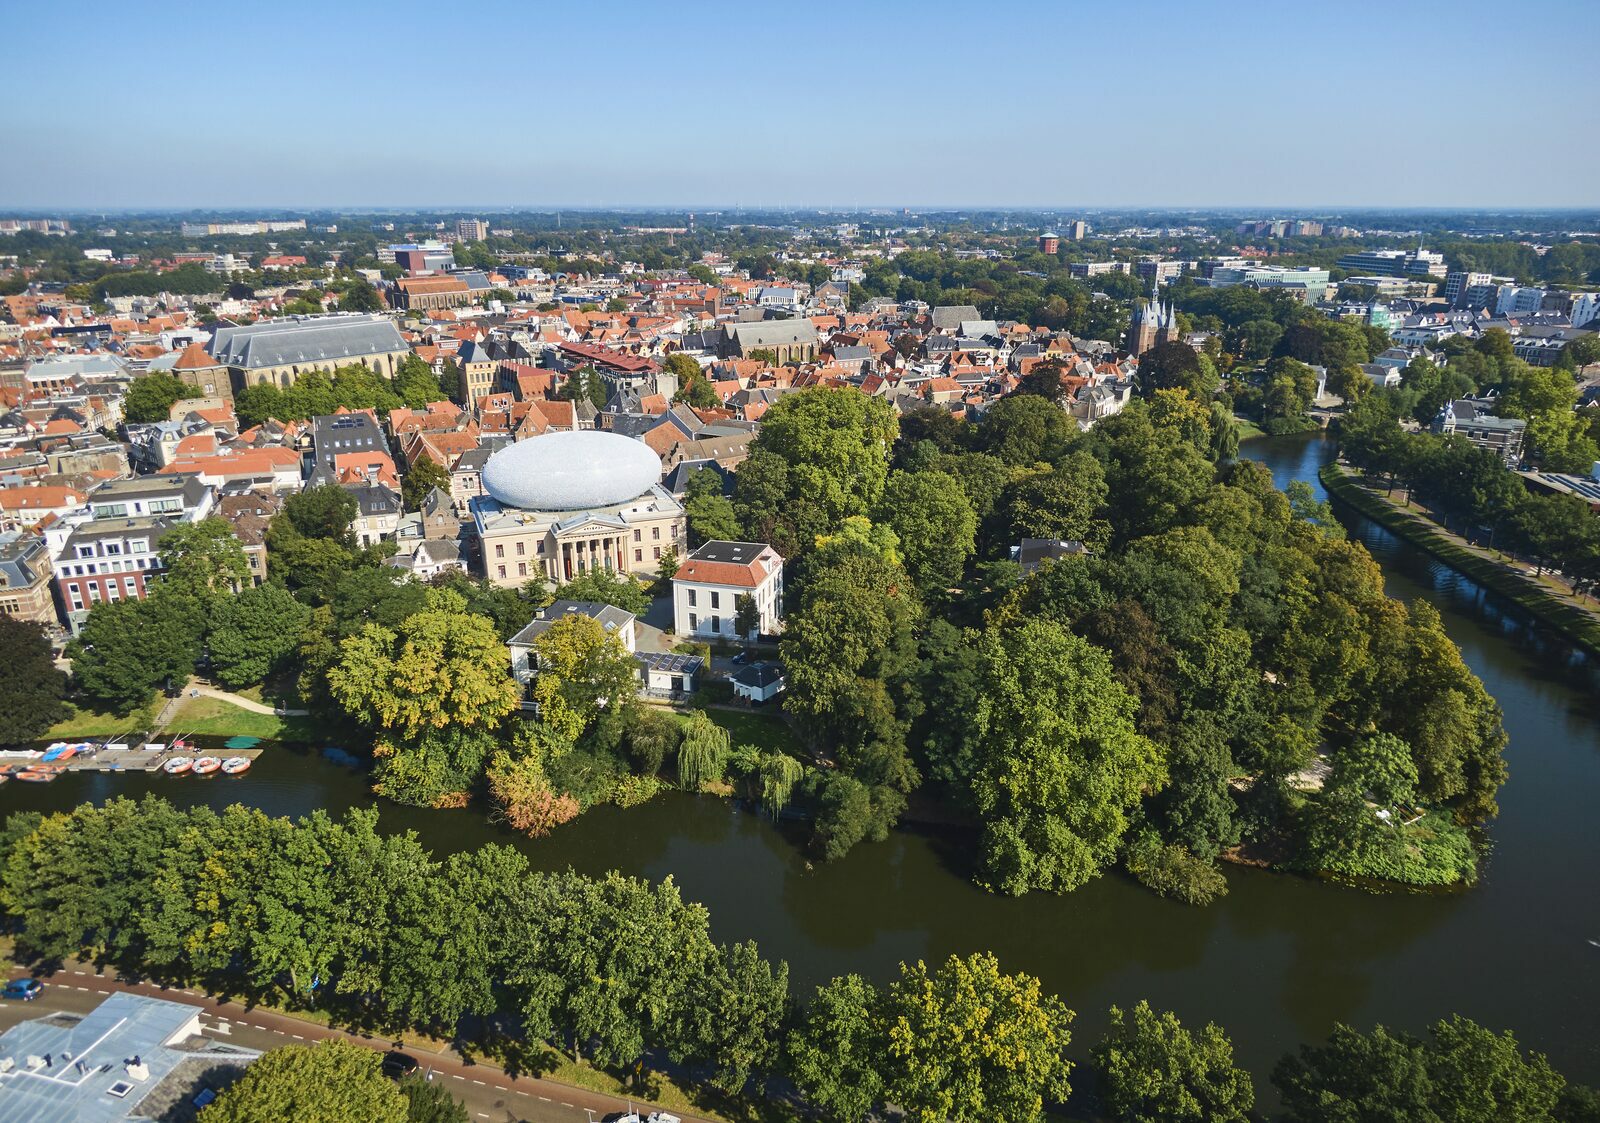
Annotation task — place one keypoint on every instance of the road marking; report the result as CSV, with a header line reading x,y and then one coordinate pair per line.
x,y
457,1076
477,1082
546,1099
483,1115
564,1103
297,1037
84,989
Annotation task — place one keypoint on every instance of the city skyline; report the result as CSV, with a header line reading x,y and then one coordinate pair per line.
x,y
835,107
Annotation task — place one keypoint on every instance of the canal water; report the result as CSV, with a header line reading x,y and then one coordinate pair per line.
x,y
1276,963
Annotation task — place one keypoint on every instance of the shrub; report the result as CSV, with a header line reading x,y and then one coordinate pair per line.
x,y
1173,872
524,798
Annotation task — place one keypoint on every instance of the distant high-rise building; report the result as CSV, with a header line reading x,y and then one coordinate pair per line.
x,y
1077,230
1049,243
472,230
1394,263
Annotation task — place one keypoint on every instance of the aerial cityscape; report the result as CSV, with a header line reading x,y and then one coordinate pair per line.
x,y
1069,598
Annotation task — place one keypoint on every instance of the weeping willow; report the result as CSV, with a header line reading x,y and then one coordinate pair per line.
x,y
703,752
779,774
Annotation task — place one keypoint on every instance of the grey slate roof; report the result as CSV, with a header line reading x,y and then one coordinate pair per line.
x,y
949,317
772,333
23,559
611,618
305,339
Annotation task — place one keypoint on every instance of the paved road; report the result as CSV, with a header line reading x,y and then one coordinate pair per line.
x,y
487,1091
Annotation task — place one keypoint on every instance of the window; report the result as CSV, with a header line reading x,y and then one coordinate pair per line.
x,y
655,533
716,623
500,571
94,593
522,569
636,534
674,530
500,551
520,549
658,553
638,555
694,621
113,548
691,597
716,599
131,584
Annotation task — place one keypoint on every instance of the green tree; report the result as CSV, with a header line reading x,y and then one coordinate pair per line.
x,y
967,1042
1463,1074
702,752
430,1102
151,397
32,689
1060,767
711,515
582,669
935,523
435,688
203,560
838,1051
331,1082
255,634
129,648
1174,366
746,615
606,586
1024,429
1153,1070
326,511
821,456
421,478
361,297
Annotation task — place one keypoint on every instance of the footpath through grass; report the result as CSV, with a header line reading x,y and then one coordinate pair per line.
x,y
1576,622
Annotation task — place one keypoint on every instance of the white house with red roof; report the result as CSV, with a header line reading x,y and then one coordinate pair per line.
x,y
707,587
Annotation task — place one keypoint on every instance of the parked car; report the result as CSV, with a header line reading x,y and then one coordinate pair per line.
x,y
741,659
24,990
397,1065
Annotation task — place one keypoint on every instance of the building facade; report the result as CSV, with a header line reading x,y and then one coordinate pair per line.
x,y
710,581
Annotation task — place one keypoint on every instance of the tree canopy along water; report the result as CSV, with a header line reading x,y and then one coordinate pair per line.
x,y
1276,962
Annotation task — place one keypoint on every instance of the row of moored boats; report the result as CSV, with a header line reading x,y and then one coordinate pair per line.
x,y
205,765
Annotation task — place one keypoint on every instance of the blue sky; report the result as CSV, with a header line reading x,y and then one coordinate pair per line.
x,y
1004,103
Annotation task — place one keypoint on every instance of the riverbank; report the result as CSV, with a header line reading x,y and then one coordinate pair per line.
x,y
1575,622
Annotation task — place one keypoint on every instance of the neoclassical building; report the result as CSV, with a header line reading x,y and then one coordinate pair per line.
x,y
279,351
567,503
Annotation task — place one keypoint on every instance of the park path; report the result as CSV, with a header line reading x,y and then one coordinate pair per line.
x,y
244,703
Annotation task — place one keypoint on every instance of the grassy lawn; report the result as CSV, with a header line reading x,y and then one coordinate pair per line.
x,y
280,690
1248,428
767,730
214,717
84,723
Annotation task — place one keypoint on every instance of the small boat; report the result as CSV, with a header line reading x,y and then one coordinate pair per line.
x,y
178,765
206,765
235,765
36,776
60,751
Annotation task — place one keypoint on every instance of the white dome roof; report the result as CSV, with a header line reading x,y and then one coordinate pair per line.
x,y
571,471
